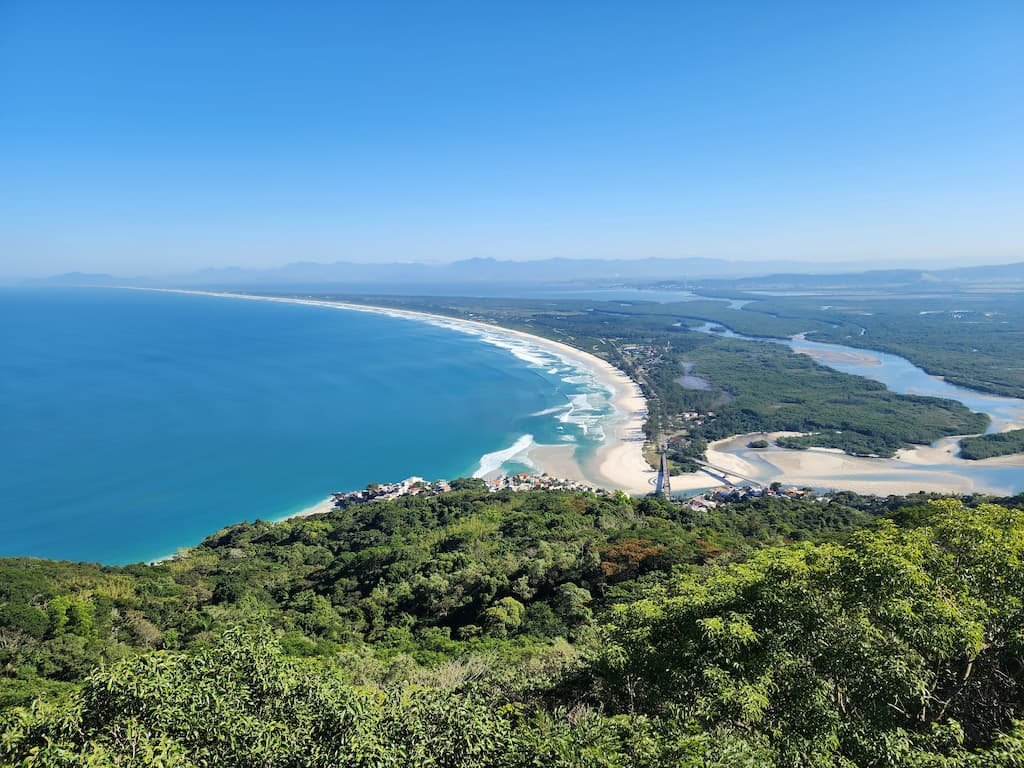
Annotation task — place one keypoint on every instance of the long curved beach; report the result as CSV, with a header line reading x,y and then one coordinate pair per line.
x,y
618,463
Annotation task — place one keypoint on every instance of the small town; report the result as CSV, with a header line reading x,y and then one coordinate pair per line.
x,y
417,486
525,481
712,498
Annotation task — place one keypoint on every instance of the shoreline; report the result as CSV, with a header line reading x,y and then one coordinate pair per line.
x,y
931,468
618,462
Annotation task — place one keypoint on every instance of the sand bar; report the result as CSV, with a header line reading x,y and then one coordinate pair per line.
x,y
933,468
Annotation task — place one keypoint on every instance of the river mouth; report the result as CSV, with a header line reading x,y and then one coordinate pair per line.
x,y
936,467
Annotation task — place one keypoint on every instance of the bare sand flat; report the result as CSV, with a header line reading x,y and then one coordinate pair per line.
x,y
839,356
557,461
945,451
621,462
933,468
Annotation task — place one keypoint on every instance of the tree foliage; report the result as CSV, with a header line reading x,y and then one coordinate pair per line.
x,y
602,631
900,642
996,444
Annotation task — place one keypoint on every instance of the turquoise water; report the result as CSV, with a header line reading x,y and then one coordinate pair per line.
x,y
135,423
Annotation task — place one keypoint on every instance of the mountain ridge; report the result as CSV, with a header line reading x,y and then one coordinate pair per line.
x,y
555,270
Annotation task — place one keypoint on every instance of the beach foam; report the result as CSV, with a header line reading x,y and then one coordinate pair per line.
x,y
519,450
554,409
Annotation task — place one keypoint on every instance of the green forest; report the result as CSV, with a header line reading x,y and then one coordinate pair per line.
x,y
542,628
970,337
996,444
774,389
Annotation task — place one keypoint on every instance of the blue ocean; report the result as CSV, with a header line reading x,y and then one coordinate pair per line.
x,y
134,423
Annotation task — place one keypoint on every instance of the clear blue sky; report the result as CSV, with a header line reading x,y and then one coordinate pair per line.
x,y
140,137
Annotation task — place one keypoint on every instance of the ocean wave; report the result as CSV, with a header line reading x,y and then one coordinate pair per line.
x,y
491,462
579,379
531,353
583,414
587,411
581,402
554,409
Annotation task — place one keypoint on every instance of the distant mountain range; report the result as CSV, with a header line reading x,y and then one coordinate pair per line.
x,y
468,271
493,270
1004,275
479,273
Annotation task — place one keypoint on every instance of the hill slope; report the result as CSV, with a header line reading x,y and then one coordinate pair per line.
x,y
542,628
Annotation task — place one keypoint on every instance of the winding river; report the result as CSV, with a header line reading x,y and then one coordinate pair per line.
x,y
935,468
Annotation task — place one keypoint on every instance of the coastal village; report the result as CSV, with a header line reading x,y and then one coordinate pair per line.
x,y
417,486
525,481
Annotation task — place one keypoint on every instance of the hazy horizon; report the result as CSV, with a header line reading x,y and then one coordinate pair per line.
x,y
162,140
801,266
364,274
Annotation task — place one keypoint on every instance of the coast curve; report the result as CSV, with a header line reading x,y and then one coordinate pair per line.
x,y
618,462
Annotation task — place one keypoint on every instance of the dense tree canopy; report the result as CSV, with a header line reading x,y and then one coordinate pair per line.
x,y
995,444
430,577
899,638
565,630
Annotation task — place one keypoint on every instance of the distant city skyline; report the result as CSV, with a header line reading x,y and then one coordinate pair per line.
x,y
165,139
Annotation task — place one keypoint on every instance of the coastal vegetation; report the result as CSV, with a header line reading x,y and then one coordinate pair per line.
x,y
420,578
997,444
538,628
970,338
773,389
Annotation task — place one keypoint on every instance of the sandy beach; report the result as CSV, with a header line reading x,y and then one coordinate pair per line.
x,y
933,468
618,462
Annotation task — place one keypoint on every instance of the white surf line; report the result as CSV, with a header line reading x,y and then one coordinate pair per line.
x,y
567,354
491,462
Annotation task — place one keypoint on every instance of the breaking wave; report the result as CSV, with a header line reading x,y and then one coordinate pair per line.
x,y
491,462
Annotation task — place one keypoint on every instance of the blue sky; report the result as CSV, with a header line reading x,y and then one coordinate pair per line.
x,y
142,137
